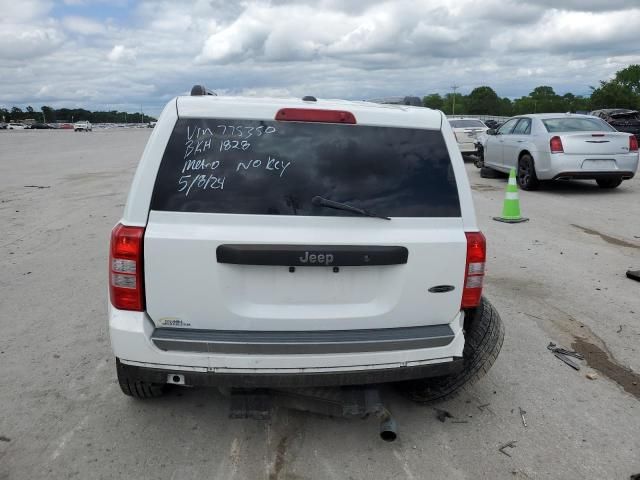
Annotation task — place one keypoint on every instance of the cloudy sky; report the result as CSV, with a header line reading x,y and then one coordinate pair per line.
x,y
120,54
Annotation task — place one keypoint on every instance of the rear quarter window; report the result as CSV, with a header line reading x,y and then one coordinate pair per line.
x,y
276,168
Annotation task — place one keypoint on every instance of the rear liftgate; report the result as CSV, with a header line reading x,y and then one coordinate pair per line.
x,y
343,401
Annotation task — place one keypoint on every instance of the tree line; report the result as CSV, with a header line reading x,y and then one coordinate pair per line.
x,y
622,91
48,114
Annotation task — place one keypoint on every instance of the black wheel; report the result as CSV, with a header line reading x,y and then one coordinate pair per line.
x,y
608,182
486,172
137,388
526,175
484,334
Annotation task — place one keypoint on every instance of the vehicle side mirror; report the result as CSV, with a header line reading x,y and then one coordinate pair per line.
x,y
492,131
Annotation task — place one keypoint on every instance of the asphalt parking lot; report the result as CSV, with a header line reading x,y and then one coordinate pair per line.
x,y
559,277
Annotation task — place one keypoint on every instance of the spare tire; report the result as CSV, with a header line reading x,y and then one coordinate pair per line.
x,y
484,334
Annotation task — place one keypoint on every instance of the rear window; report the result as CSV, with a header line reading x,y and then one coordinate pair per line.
x,y
623,114
276,168
568,124
467,124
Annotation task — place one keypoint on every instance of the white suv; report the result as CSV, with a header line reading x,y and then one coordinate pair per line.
x,y
270,242
84,126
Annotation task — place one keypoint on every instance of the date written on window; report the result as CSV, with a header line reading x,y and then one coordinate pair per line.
x,y
187,183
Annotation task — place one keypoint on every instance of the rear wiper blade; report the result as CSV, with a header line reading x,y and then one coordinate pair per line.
x,y
325,202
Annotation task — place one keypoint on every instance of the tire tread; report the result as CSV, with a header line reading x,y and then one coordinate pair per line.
x,y
483,342
137,388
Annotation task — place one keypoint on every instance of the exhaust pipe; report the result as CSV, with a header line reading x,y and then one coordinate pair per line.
x,y
388,426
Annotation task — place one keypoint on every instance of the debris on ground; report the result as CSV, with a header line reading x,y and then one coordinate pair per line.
x,y
483,406
37,186
442,415
564,354
592,375
635,476
459,421
522,412
634,275
619,329
4,439
568,361
563,351
511,444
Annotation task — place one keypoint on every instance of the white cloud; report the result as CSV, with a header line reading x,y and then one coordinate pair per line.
x,y
564,31
83,25
23,10
25,30
120,53
17,43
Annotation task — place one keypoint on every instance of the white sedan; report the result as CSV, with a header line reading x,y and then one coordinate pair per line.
x,y
468,131
553,146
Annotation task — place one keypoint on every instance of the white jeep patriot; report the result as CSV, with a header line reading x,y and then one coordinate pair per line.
x,y
285,242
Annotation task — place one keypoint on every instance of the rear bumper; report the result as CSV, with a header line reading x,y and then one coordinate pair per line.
x,y
593,175
468,147
285,363
291,380
567,166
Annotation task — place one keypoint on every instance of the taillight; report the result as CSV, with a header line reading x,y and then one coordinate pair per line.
x,y
556,145
314,115
633,143
126,278
474,270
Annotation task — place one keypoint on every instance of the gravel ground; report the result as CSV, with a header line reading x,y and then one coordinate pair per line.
x,y
559,277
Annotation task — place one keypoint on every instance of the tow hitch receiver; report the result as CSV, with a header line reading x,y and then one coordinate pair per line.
x,y
345,402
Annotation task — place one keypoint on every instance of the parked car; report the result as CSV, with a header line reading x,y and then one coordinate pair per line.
x,y
66,126
83,126
3,126
553,146
621,119
16,126
299,243
467,132
39,126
